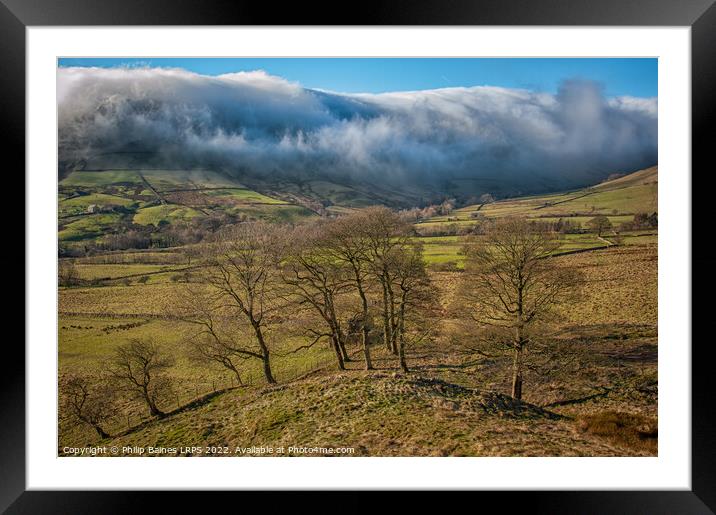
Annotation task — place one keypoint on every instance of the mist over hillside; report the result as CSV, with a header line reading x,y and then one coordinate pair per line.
x,y
251,124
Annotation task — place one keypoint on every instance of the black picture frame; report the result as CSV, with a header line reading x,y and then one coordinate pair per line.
x,y
700,15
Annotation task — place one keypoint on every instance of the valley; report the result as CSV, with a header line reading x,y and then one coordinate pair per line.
x,y
131,241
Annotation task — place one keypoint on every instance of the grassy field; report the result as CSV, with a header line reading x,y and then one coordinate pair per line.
x,y
140,274
90,272
616,313
164,213
148,256
80,205
441,251
163,180
244,196
89,227
373,414
92,204
87,341
593,397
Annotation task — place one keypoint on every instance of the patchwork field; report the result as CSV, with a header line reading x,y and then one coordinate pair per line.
x,y
94,204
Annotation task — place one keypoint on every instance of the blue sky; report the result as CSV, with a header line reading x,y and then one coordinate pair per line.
x,y
620,76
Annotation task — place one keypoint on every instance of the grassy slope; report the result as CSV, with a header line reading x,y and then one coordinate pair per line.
x,y
438,409
164,213
76,205
377,414
616,316
174,195
619,199
87,227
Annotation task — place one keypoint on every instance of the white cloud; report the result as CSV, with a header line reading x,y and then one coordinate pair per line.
x,y
256,123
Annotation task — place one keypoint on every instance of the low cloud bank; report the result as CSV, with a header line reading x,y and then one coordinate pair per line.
x,y
261,125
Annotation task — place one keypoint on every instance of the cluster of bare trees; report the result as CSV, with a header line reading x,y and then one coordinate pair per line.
x,y
339,275
641,221
356,280
361,275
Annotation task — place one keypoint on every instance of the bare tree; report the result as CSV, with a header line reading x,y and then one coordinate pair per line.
x,y
345,242
87,401
512,282
138,367
414,295
317,280
214,333
241,276
447,207
387,235
205,348
486,198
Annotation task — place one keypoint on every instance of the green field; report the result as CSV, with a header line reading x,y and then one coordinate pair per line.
x,y
447,250
163,180
79,205
90,226
92,204
102,179
165,213
86,342
137,272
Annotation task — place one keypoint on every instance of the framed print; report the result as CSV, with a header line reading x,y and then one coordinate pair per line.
x,y
448,248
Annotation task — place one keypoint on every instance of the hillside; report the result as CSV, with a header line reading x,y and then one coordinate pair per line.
x,y
93,204
619,199
594,392
374,414
644,177
452,403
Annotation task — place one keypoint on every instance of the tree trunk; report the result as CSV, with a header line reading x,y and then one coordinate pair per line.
x,y
387,329
237,374
267,369
517,372
153,410
342,345
393,324
401,340
519,345
266,358
364,327
366,348
337,349
338,333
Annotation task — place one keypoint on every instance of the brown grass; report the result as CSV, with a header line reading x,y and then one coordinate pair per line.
x,y
624,429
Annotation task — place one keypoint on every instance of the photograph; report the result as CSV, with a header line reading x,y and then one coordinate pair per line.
x,y
357,256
